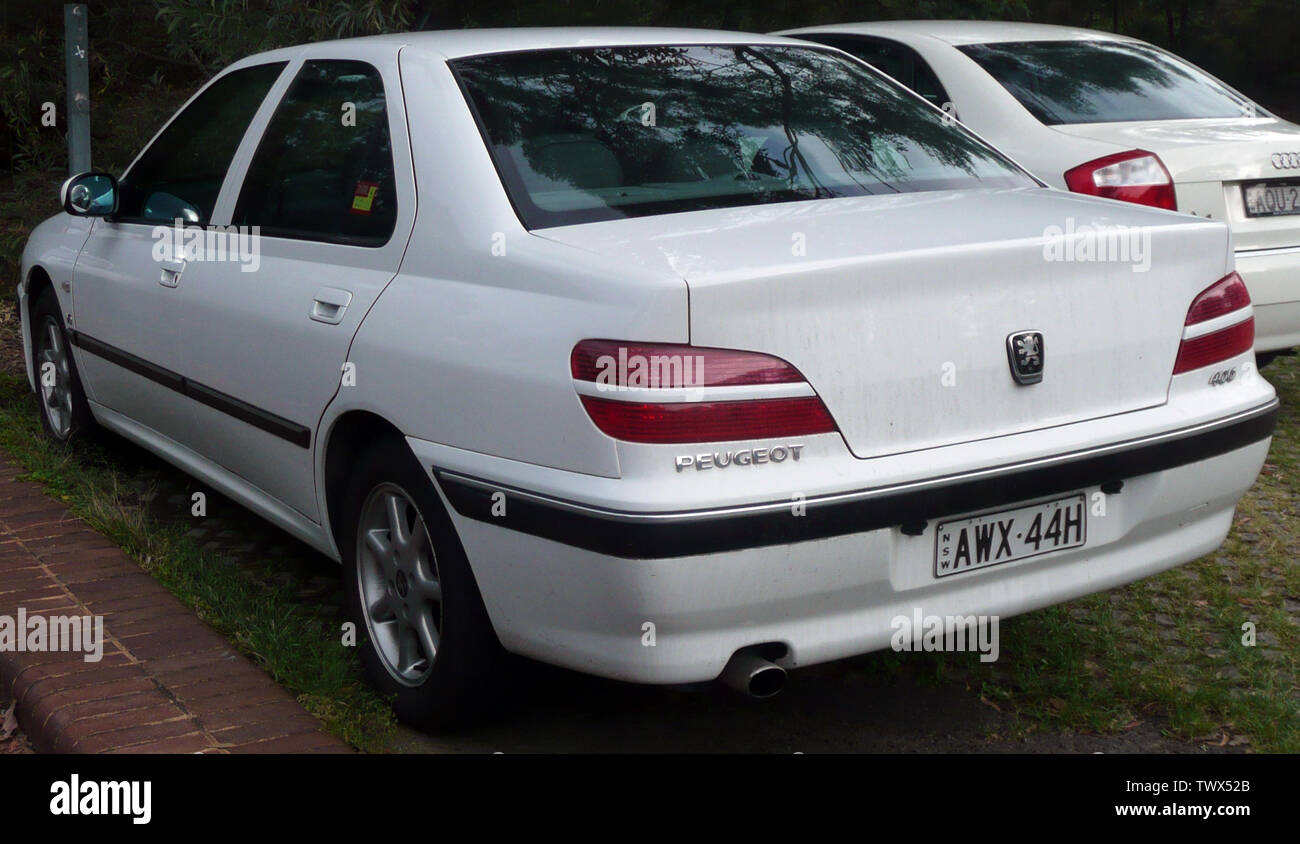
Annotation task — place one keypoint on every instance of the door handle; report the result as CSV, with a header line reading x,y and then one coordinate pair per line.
x,y
171,273
329,305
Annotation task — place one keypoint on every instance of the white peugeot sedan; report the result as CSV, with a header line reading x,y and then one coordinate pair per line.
x,y
657,354
1112,116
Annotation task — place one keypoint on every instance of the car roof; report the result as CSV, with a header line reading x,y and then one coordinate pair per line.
x,y
965,32
458,43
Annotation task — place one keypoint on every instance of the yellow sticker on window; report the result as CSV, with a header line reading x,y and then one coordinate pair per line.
x,y
364,197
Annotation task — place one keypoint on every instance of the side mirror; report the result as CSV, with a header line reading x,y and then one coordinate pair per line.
x,y
90,195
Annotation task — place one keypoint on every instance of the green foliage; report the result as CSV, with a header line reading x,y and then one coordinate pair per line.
x,y
210,34
28,79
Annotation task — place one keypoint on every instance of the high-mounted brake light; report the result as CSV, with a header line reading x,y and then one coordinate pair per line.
x,y
673,393
1220,325
1134,176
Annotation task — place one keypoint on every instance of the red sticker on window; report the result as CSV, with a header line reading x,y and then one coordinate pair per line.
x,y
364,197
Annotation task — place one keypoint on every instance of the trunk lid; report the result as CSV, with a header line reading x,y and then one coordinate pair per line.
x,y
897,308
1209,160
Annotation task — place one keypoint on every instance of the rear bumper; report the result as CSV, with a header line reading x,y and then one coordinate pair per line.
x,y
574,594
1273,278
621,533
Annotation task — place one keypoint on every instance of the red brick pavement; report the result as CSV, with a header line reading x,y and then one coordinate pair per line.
x,y
167,682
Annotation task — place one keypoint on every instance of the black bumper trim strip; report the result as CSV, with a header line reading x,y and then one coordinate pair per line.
x,y
299,435
664,535
128,361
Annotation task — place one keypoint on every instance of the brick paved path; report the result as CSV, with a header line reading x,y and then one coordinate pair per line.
x,y
167,682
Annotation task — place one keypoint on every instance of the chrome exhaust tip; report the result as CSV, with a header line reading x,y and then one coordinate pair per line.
x,y
751,674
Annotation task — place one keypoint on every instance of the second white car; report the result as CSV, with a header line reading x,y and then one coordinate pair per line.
x,y
1112,116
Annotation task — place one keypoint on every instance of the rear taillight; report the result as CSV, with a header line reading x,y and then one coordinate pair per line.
x,y
1220,325
1225,296
670,393
714,421
1134,176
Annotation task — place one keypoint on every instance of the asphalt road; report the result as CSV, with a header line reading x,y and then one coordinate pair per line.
x,y
843,707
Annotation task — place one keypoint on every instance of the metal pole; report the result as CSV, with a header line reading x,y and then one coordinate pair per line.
x,y
77,47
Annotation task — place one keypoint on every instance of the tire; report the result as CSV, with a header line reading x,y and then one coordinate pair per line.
x,y
390,588
65,413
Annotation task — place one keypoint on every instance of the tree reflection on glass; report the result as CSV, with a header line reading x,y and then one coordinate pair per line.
x,y
1103,82
602,133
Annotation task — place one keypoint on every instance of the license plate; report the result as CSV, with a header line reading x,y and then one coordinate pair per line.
x,y
1272,199
979,542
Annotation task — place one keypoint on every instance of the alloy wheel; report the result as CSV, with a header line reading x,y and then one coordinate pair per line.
x,y
54,374
397,576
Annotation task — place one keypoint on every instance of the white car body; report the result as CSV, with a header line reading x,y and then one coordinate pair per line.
x,y
1209,159
898,316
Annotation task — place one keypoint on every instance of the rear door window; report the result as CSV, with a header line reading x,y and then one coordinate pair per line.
x,y
324,167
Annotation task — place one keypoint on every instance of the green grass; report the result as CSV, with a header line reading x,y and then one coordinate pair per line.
x,y
300,650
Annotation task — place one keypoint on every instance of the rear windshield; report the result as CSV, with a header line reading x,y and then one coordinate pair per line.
x,y
598,134
1105,82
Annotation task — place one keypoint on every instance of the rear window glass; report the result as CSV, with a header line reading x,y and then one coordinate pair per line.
x,y
1062,82
580,135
